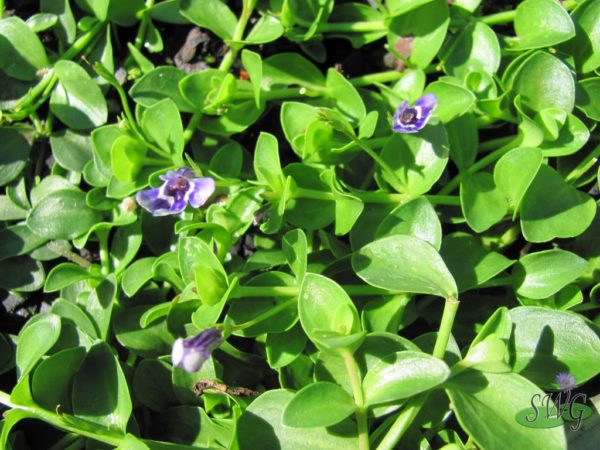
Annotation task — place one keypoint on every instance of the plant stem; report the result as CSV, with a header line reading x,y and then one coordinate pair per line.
x,y
441,343
71,256
586,164
414,405
477,166
189,131
358,290
381,77
374,197
269,313
238,34
384,165
351,27
1,9
141,34
359,399
402,422
508,16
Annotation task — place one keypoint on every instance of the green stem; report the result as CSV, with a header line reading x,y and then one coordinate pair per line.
x,y
503,17
238,34
381,77
402,422
359,399
381,197
192,125
71,256
358,290
270,313
477,166
141,34
1,9
384,165
443,335
586,164
350,27
414,405
493,144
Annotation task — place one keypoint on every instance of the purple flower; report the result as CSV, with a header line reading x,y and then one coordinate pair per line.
x,y
179,189
410,119
190,354
566,381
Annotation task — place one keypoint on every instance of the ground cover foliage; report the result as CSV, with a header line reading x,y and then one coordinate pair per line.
x,y
286,224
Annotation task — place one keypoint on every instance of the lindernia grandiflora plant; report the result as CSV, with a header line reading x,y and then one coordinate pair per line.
x,y
179,189
410,119
191,353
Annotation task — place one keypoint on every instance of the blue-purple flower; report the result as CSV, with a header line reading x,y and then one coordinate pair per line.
x,y
566,381
179,188
190,354
410,119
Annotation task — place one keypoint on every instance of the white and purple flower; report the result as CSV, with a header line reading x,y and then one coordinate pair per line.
x,y
179,188
566,381
190,354
410,119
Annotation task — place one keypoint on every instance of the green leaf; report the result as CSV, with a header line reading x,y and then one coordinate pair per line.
x,y
295,249
21,274
21,52
125,245
280,313
35,340
100,392
565,213
545,342
77,100
463,138
588,97
283,348
213,15
415,218
476,48
488,355
64,275
542,23
62,214
470,263
66,27
538,80
327,402
403,375
99,8
76,314
72,150
427,23
404,264
368,125
151,341
253,64
541,274
161,124
453,100
584,46
348,209
285,69
160,83
418,160
514,173
267,29
18,240
127,157
482,203
198,262
137,275
14,154
326,312
261,426
52,380
346,97
266,162
486,411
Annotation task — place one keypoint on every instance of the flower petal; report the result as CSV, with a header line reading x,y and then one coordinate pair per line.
x,y
427,103
200,191
153,201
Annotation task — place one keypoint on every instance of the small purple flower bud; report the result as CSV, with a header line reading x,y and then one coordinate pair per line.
x,y
410,119
566,381
179,189
190,354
